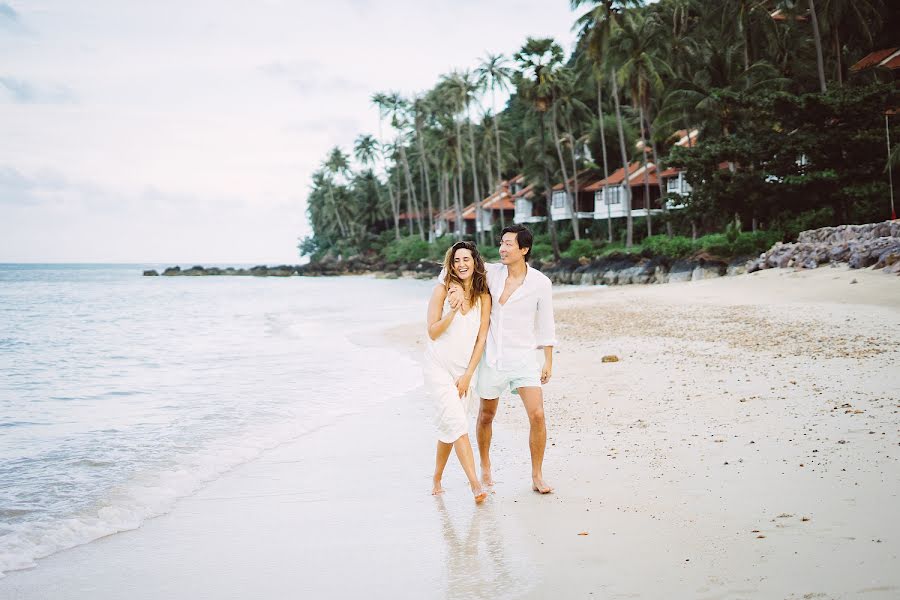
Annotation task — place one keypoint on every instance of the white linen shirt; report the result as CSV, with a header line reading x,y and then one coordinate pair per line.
x,y
522,325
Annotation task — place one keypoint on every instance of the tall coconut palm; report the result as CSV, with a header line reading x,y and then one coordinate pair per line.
x,y
420,109
495,74
538,59
365,149
817,38
640,70
337,164
844,18
600,24
383,103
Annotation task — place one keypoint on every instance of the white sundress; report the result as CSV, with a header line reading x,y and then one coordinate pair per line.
x,y
446,359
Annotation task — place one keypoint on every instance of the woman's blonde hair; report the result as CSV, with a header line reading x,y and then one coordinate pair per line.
x,y
479,277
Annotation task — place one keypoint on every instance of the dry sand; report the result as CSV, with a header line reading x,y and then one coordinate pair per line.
x,y
745,445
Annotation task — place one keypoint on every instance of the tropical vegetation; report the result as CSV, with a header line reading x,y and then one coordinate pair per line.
x,y
789,138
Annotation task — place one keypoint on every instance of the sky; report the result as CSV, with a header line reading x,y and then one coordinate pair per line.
x,y
187,131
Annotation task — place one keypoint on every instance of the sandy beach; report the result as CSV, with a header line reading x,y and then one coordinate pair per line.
x,y
744,445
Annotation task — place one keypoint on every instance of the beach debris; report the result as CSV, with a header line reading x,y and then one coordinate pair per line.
x,y
582,533
804,518
852,281
610,358
760,536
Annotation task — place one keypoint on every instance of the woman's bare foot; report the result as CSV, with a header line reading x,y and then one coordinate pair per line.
x,y
437,489
538,485
479,493
486,478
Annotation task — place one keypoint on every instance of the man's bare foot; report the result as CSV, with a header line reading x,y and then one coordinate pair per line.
x,y
437,489
538,485
479,493
486,478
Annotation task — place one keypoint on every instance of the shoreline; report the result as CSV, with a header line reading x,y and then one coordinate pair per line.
x,y
744,445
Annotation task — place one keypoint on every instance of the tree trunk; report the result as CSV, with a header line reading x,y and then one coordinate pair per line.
x,y
575,187
663,193
424,163
647,206
820,63
411,195
551,226
337,213
605,163
839,67
457,203
459,181
479,217
497,141
562,165
626,184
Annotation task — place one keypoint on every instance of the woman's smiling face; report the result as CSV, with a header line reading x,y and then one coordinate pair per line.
x,y
463,263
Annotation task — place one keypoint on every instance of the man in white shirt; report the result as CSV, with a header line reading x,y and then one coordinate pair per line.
x,y
521,323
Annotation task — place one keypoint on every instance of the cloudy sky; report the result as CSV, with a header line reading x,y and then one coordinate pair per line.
x,y
186,131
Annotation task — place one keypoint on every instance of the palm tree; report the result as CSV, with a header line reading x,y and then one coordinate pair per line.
x,y
420,109
365,149
843,18
641,71
337,164
382,101
538,59
494,73
565,107
817,37
600,24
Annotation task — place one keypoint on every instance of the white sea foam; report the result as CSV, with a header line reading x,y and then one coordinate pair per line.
x,y
158,387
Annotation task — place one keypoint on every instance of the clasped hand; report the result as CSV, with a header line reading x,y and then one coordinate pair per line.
x,y
455,296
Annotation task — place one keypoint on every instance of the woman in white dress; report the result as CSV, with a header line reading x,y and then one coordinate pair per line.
x,y
456,339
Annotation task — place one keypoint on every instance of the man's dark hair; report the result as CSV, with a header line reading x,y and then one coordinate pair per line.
x,y
523,237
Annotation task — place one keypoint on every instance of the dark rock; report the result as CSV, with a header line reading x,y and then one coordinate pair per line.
x,y
151,273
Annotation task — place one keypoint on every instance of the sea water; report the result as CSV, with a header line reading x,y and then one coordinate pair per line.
x,y
121,393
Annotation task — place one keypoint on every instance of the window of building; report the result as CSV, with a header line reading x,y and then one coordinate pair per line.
x,y
613,195
559,199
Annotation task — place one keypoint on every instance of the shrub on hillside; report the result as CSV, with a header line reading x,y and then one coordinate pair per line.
x,y
579,248
670,247
407,249
541,251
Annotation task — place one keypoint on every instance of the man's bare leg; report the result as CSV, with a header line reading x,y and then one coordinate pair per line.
x,y
533,399
483,433
443,453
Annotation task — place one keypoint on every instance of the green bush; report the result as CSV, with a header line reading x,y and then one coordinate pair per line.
x,y
674,247
716,244
438,248
490,253
407,249
579,248
751,243
541,251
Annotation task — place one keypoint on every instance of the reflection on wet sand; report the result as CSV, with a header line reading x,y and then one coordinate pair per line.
x,y
478,564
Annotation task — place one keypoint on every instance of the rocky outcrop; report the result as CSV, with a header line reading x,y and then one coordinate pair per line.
x,y
871,245
329,267
625,269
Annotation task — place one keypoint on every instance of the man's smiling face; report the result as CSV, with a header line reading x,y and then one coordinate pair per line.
x,y
509,249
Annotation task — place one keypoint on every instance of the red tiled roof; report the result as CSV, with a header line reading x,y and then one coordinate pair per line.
x,y
585,178
670,172
883,58
635,179
781,15
892,63
499,202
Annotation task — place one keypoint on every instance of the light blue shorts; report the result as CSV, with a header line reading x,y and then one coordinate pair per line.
x,y
492,382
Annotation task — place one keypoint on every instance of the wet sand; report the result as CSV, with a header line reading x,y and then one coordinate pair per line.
x,y
745,445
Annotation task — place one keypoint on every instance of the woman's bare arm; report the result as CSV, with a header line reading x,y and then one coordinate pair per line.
x,y
437,324
480,341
